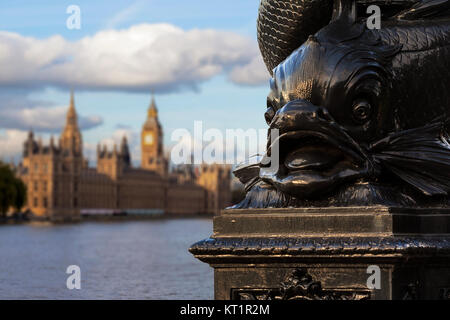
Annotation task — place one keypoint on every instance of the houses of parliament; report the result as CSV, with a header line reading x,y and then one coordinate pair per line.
x,y
60,183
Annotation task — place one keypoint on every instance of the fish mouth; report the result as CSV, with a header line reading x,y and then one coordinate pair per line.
x,y
314,154
310,154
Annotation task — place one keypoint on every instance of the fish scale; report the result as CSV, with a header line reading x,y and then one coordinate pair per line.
x,y
424,59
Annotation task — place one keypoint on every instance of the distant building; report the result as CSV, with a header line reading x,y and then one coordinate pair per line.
x,y
62,186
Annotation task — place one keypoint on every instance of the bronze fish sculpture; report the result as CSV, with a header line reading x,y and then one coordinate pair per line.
x,y
362,114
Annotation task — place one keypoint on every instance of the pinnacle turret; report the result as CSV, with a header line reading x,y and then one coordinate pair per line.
x,y
125,151
152,110
152,121
71,135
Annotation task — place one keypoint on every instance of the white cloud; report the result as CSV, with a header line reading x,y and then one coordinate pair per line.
x,y
253,73
117,136
11,143
48,119
158,56
90,149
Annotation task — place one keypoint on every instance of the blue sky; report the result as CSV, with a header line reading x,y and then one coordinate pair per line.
x,y
45,18
221,99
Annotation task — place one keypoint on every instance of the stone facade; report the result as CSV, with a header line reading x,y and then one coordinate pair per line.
x,y
62,186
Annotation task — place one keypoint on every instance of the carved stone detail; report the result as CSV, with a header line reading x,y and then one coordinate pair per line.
x,y
444,294
300,285
411,291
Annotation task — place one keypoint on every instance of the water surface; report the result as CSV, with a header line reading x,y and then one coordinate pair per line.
x,y
118,260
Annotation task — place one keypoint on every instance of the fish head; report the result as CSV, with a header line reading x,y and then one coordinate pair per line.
x,y
328,101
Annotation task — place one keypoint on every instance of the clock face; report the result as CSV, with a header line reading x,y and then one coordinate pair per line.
x,y
148,139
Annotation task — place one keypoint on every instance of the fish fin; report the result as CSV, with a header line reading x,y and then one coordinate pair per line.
x,y
426,9
427,180
422,184
248,171
419,156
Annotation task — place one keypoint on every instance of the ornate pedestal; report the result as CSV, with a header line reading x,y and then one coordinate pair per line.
x,y
329,253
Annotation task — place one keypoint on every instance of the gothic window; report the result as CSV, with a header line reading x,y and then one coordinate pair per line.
x,y
35,186
35,202
44,186
44,202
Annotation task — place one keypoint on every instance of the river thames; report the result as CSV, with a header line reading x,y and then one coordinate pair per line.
x,y
118,260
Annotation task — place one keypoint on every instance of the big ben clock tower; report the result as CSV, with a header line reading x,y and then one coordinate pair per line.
x,y
152,143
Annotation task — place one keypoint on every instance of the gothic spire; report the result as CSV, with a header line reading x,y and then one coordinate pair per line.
x,y
125,151
152,110
71,119
71,135
124,142
152,121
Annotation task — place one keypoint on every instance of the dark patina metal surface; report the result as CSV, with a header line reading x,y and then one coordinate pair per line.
x,y
255,251
358,233
362,114
283,249
363,179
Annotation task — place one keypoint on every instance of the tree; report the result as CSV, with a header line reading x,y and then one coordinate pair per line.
x,y
21,194
13,191
7,189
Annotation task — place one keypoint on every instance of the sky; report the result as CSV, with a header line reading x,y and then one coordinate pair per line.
x,y
199,57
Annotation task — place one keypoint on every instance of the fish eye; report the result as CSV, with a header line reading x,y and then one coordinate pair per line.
x,y
362,110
